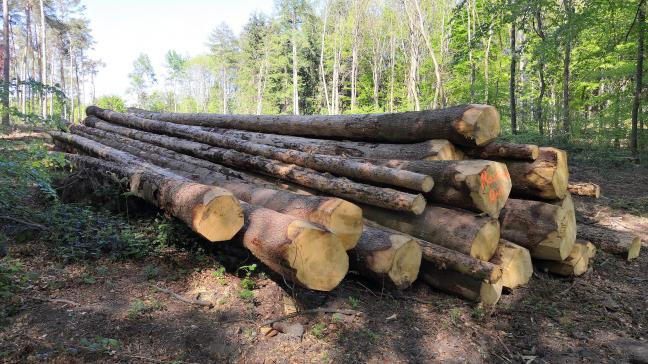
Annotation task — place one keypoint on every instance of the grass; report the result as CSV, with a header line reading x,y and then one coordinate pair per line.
x,y
318,330
139,307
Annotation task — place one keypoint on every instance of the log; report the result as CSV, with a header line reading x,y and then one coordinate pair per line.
x,y
294,248
610,241
476,236
515,262
340,187
464,124
495,150
448,259
575,264
460,284
584,189
212,212
390,258
339,216
546,177
324,163
435,149
547,230
477,185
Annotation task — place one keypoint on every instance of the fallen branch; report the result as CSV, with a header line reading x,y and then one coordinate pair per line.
x,y
24,222
311,312
55,300
184,299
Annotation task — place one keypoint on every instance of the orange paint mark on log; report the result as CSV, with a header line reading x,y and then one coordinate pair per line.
x,y
490,183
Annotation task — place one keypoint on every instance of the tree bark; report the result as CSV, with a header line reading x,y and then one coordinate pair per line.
x,y
340,187
566,67
340,217
547,230
515,262
575,264
584,189
610,241
333,164
495,150
512,79
390,258
460,284
212,212
454,229
636,104
547,177
5,65
444,258
467,125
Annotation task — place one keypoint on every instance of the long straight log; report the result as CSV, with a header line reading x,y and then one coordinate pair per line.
x,y
547,177
478,185
435,149
548,230
333,164
210,211
584,189
388,257
476,236
464,125
340,187
515,262
495,150
444,258
610,241
460,284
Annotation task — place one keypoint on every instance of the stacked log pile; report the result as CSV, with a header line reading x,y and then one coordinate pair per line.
x,y
394,197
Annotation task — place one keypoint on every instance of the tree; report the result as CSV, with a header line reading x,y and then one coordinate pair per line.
x,y
175,64
141,79
5,64
224,49
641,26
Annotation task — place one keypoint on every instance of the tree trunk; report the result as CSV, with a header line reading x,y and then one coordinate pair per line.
x,y
512,79
610,241
467,125
321,60
495,150
340,217
293,43
449,259
547,230
566,65
515,262
340,187
388,257
547,177
636,104
460,284
454,229
44,60
575,264
333,164
478,185
5,65
212,212
584,189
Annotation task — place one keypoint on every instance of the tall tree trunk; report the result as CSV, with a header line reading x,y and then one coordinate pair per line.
x,y
486,64
354,53
321,60
392,67
43,61
541,68
641,20
294,63
566,65
438,92
512,80
5,64
470,56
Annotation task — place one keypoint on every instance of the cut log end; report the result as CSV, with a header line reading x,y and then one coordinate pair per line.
x,y
634,249
560,243
345,221
515,262
443,150
317,256
482,123
406,263
427,184
490,293
575,264
485,243
418,205
490,187
220,216
585,189
560,179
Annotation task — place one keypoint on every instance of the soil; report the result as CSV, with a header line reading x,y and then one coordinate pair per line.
x,y
88,311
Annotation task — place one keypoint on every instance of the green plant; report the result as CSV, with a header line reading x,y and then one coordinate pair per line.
x,y
88,279
249,333
454,314
102,271
101,344
318,330
11,276
478,312
139,307
246,294
247,283
353,302
372,335
151,272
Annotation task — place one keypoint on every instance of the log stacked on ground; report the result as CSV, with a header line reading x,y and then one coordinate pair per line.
x,y
546,177
515,262
495,150
464,125
610,241
584,189
575,264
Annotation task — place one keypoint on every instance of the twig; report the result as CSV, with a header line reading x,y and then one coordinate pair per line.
x,y
55,300
28,223
567,290
504,345
184,299
311,312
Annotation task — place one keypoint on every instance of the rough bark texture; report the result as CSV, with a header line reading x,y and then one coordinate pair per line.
x,y
575,264
297,250
584,189
546,177
332,164
388,257
210,211
477,185
340,217
340,187
444,258
460,284
435,149
515,262
614,242
464,125
547,230
495,150
454,229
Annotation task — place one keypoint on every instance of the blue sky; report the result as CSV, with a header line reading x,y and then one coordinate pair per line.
x,y
124,28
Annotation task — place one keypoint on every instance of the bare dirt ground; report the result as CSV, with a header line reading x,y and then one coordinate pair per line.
x,y
107,310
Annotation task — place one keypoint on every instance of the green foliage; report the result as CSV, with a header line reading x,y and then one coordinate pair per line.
x,y
151,272
112,102
353,302
100,344
11,277
247,283
318,330
246,294
139,307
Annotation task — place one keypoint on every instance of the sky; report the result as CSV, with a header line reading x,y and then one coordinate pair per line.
x,y
122,29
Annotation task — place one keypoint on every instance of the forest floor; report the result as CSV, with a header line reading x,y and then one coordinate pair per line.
x,y
79,286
